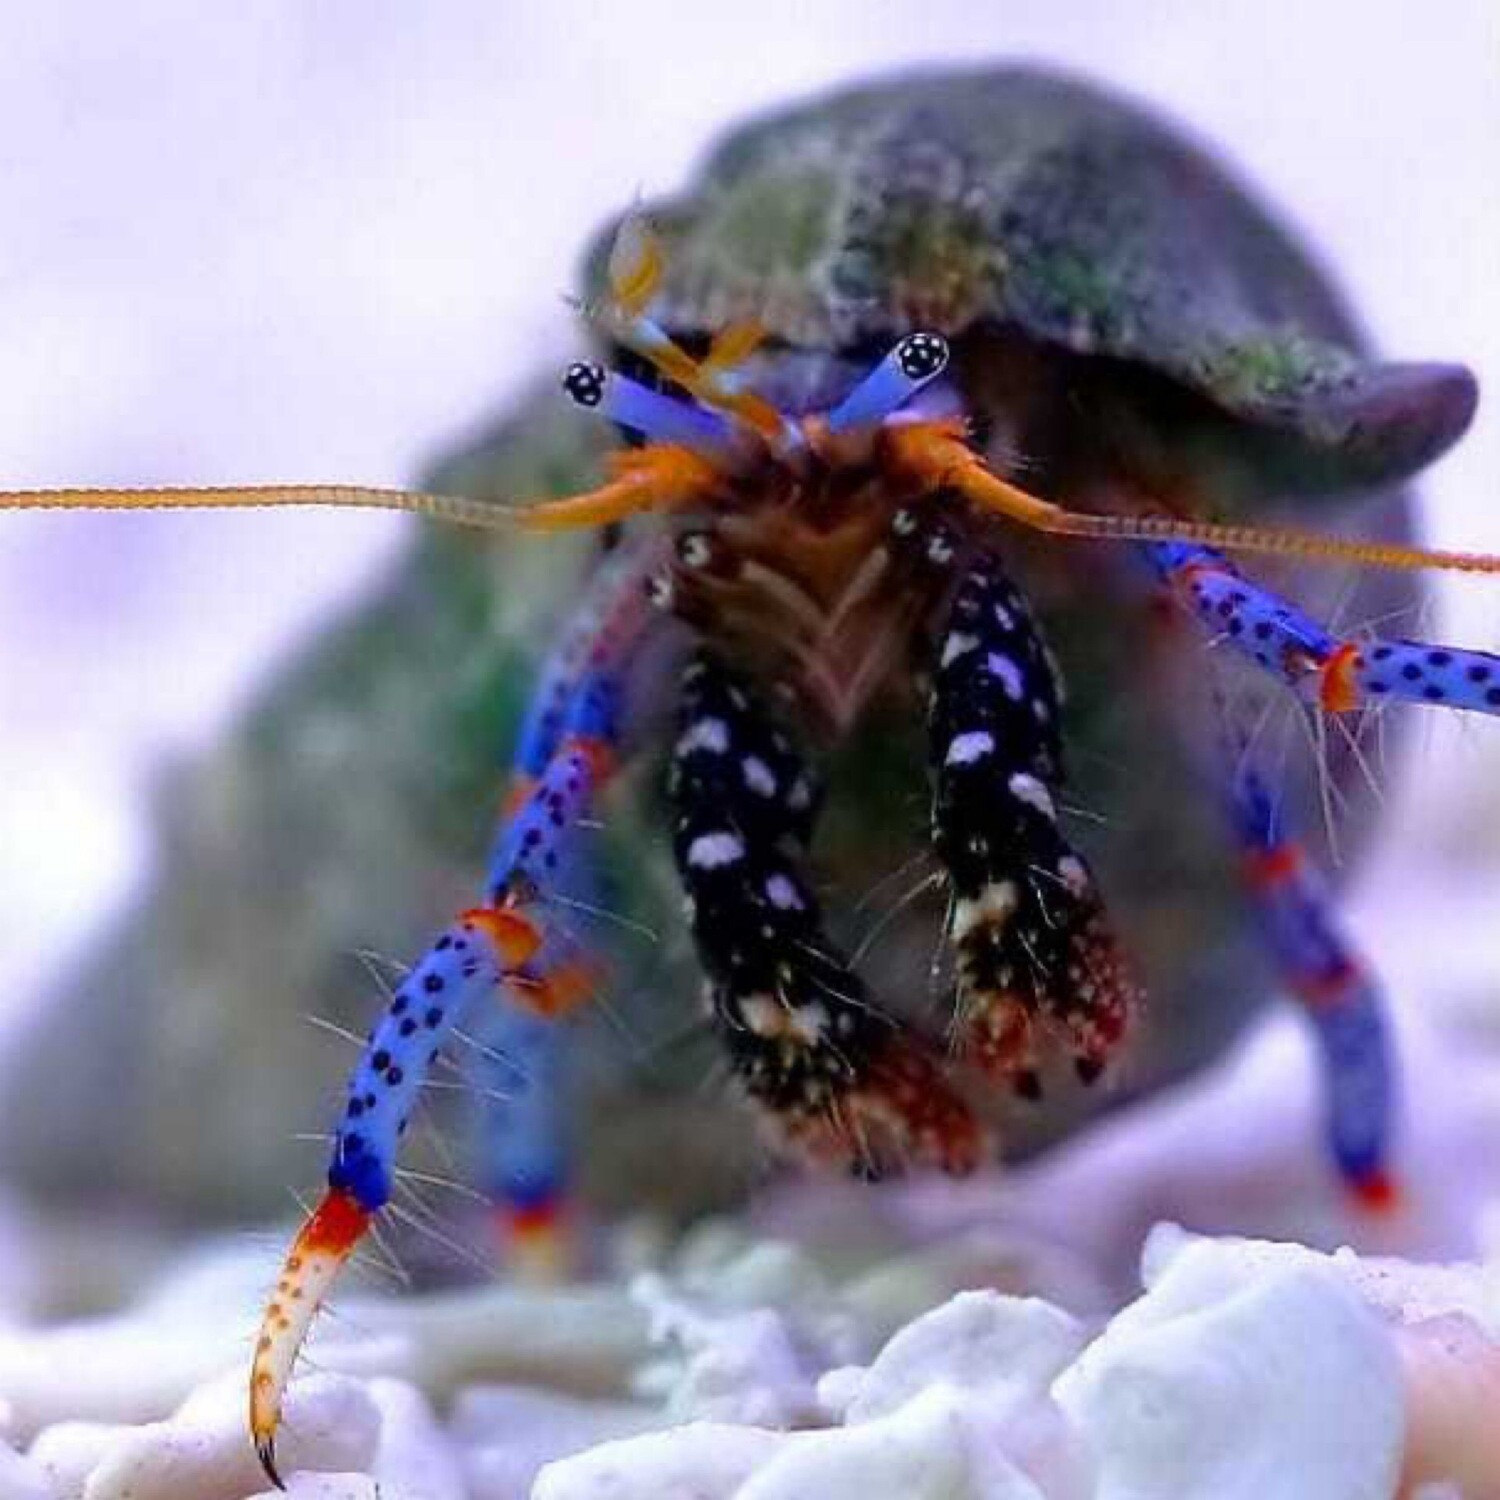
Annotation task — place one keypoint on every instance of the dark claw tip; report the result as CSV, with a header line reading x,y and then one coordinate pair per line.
x,y
1028,1085
265,1451
1088,1069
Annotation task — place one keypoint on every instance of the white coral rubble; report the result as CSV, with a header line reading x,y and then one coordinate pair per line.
x,y
750,1370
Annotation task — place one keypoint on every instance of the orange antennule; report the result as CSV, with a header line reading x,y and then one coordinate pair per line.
x,y
635,266
317,1255
733,345
933,455
663,476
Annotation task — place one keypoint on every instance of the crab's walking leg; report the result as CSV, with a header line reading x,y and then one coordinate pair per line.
x,y
523,1143
524,1134
466,960
1034,948
511,940
525,1063
836,1078
1318,963
1335,673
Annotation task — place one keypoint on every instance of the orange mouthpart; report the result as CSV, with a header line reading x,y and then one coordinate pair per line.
x,y
663,476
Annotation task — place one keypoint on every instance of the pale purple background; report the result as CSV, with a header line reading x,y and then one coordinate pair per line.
x,y
292,240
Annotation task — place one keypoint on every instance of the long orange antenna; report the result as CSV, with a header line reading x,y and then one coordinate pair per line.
x,y
933,455
655,478
454,508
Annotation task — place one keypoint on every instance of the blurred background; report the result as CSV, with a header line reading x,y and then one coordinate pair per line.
x,y
324,241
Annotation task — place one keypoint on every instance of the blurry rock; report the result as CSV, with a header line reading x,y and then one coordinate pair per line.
x,y
702,1461
201,1453
1452,1371
22,1478
979,1339
1247,1368
505,1434
306,1485
68,1452
941,1445
1287,1385
415,1460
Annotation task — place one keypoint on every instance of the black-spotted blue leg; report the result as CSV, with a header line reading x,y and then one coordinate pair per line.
x,y
1034,952
513,940
524,1065
525,1062
1323,970
1337,674
836,1079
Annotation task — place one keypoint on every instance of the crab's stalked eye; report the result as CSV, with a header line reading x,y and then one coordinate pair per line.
x,y
922,356
584,383
914,362
658,418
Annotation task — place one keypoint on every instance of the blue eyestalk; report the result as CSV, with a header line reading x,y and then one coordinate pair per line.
x,y
658,418
916,361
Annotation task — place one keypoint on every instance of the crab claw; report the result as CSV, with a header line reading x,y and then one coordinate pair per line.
x,y
318,1253
265,1451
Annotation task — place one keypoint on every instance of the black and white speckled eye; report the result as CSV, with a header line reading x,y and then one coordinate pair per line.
x,y
695,549
922,355
584,383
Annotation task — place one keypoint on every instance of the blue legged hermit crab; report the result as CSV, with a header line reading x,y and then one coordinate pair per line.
x,y
892,353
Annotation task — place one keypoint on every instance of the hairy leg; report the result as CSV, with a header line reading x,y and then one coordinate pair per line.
x,y
1325,973
1337,674
513,941
1293,903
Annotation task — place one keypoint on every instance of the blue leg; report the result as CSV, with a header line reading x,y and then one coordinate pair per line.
x,y
1338,993
513,942
524,1140
1338,675
1296,911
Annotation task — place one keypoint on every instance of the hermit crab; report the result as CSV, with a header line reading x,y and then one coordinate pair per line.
x,y
911,380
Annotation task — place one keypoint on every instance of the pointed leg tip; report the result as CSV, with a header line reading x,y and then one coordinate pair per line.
x,y
265,1451
1376,1192
1027,1084
1089,1070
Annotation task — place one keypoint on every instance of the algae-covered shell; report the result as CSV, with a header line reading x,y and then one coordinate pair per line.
x,y
1008,199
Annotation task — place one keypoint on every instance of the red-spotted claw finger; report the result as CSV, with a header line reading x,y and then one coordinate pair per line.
x,y
325,1242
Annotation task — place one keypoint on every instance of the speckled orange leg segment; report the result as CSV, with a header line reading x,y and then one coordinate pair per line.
x,y
317,1255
